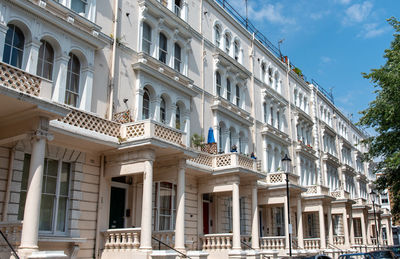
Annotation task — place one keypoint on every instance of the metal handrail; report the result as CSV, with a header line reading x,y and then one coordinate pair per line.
x,y
8,243
243,243
170,247
335,247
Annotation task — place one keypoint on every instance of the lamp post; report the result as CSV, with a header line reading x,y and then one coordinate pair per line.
x,y
373,197
286,165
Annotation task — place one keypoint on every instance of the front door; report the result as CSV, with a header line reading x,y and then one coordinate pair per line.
x,y
117,208
206,219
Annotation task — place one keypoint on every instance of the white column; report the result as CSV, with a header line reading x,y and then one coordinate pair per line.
x,y
145,234
155,107
363,230
346,229
171,112
272,154
300,223
139,104
330,227
351,226
180,208
31,56
3,32
60,79
186,125
264,154
286,213
236,216
254,226
86,89
322,226
30,226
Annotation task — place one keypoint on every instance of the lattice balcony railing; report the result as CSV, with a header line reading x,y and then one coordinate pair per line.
x,y
20,80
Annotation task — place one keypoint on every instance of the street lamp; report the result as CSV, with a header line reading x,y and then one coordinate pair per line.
x,y
286,165
373,195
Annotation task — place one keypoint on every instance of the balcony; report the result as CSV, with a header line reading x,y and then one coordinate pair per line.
x,y
280,178
233,111
348,169
275,133
331,158
166,74
272,242
305,149
221,163
316,190
340,194
312,243
217,241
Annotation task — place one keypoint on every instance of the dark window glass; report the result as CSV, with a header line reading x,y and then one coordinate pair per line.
x,y
14,46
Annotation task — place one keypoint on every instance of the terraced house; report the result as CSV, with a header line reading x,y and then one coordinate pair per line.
x,y
99,104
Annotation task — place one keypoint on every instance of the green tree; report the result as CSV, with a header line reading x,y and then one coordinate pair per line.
x,y
383,115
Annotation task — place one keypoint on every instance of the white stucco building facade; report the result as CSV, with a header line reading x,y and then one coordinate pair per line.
x,y
99,105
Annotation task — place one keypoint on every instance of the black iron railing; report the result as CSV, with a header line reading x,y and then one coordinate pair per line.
x,y
9,245
170,247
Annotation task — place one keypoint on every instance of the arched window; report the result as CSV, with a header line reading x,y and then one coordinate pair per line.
x,y
218,83
265,112
45,60
237,50
163,114
178,118
272,116
73,77
227,43
217,31
146,105
146,38
177,57
228,89
178,7
14,46
162,49
263,72
237,95
270,75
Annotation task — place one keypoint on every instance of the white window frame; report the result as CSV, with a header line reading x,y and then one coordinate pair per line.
x,y
156,207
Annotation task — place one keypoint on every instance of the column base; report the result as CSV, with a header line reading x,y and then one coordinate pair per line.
x,y
237,254
25,252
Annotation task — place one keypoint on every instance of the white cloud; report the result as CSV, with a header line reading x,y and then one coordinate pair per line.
x,y
319,15
372,30
345,2
326,60
357,13
271,13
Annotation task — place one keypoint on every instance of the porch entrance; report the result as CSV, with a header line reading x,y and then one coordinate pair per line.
x,y
117,207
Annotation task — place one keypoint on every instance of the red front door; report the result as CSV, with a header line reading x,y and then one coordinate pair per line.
x,y
206,219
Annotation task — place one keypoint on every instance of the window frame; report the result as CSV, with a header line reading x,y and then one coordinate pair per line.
x,y
157,209
163,53
218,82
42,61
56,197
70,74
146,41
145,107
163,110
177,60
228,89
14,49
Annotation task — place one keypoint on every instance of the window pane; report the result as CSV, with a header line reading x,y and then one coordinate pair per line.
x,y
52,167
16,58
6,54
46,212
61,214
64,179
78,6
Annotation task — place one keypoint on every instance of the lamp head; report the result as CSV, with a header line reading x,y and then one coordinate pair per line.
x,y
286,164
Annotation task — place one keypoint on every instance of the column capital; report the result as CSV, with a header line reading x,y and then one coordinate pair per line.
x,y
42,134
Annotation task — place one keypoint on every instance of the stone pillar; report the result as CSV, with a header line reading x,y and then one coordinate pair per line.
x,y
351,226
31,56
286,216
236,216
330,226
300,224
346,228
180,208
139,104
30,226
3,32
60,79
155,108
322,226
87,86
363,230
272,154
265,154
145,234
255,242
171,112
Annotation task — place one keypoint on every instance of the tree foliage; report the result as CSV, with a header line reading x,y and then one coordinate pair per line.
x,y
383,114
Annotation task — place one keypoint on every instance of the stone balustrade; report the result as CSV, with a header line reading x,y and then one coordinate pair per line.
x,y
358,240
217,241
123,238
272,243
374,241
312,243
338,240
166,237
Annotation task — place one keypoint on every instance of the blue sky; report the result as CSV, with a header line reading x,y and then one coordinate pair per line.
x,y
331,41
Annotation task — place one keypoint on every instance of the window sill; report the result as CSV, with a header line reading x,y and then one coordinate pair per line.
x,y
61,239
